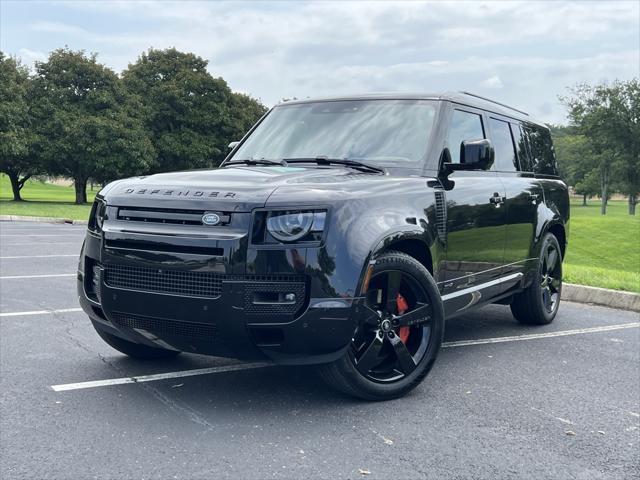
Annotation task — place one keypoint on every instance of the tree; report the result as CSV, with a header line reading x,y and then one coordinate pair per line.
x,y
609,116
186,109
245,112
90,126
17,158
577,163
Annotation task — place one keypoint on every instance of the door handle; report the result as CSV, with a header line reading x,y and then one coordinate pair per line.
x,y
534,198
497,199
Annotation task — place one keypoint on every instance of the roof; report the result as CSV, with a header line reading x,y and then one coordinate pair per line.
x,y
462,98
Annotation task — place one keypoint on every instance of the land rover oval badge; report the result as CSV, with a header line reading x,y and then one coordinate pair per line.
x,y
211,219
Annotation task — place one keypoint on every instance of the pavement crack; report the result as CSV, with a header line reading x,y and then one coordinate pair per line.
x,y
174,406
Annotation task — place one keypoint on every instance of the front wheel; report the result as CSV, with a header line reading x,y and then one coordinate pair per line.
x,y
538,304
395,346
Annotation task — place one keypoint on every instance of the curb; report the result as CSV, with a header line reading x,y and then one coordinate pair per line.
x,y
601,296
23,218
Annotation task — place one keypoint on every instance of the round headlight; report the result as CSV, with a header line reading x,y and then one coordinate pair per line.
x,y
289,226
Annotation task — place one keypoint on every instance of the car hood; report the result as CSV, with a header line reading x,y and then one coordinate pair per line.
x,y
233,188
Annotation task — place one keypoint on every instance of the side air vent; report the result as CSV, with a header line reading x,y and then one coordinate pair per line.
x,y
167,215
441,216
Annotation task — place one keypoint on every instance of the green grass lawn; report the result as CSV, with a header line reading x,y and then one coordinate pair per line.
x,y
43,200
604,251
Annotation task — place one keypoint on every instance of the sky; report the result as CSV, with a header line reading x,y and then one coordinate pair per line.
x,y
525,54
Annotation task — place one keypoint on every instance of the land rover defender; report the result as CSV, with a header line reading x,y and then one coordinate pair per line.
x,y
341,232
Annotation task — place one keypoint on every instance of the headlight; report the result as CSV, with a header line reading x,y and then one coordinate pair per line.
x,y
295,225
97,215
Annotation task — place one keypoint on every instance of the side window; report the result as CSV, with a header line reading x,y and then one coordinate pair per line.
x,y
506,160
522,151
464,126
543,158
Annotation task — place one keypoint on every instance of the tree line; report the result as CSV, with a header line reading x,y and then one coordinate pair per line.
x,y
599,151
74,117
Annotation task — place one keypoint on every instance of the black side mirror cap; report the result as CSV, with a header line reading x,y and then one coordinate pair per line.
x,y
474,155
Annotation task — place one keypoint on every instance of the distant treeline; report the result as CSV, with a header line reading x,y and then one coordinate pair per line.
x,y
74,117
598,153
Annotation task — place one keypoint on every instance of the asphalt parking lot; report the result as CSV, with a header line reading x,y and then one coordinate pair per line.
x,y
503,401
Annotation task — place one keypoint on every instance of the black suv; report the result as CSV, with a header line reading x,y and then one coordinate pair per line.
x,y
340,232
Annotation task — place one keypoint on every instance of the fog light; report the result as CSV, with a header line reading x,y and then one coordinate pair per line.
x,y
273,298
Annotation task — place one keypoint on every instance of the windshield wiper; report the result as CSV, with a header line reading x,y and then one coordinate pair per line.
x,y
336,161
251,161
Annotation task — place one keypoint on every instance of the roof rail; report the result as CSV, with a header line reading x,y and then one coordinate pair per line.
x,y
493,101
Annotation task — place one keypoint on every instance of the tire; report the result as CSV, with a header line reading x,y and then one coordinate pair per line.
x,y
422,318
539,303
136,350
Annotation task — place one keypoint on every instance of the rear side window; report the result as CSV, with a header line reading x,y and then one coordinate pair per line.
x,y
543,158
464,126
520,143
506,160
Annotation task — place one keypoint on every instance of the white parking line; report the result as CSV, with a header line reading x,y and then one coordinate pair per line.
x,y
50,229
40,235
158,376
39,243
534,336
38,256
39,312
18,277
248,366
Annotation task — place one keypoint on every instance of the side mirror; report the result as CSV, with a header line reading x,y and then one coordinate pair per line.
x,y
474,155
233,145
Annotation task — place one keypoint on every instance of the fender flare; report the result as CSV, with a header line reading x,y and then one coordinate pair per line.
x,y
386,240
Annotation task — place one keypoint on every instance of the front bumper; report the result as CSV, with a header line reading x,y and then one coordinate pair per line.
x,y
236,306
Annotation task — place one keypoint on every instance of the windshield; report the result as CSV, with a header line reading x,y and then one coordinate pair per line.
x,y
385,132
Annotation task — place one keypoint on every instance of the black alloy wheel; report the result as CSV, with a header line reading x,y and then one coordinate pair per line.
x,y
538,304
395,335
550,277
399,335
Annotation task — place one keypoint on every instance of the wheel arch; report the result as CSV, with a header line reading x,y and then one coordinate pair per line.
x,y
414,247
558,231
415,243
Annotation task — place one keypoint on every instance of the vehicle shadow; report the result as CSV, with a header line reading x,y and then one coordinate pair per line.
x,y
287,392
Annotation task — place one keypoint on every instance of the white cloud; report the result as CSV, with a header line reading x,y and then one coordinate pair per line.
x,y
525,52
492,82
30,56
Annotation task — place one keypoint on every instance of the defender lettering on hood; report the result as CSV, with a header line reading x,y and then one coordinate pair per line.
x,y
180,193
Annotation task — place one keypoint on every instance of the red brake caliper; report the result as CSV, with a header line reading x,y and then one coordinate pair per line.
x,y
403,306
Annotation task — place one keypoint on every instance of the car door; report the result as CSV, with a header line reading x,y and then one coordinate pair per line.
x,y
523,194
475,219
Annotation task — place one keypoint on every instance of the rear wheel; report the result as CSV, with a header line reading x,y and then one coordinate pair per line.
x,y
396,345
538,304
135,350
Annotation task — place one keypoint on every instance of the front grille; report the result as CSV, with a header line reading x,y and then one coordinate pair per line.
x,y
163,326
168,215
197,284
194,284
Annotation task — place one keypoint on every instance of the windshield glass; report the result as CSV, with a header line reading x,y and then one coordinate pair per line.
x,y
385,132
